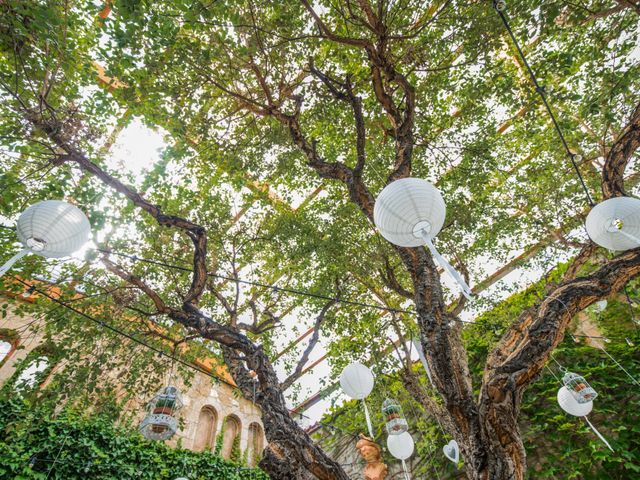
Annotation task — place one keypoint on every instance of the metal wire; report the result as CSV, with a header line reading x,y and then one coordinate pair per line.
x,y
499,7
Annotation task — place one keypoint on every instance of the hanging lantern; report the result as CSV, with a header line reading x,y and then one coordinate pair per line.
x,y
395,421
410,212
160,422
615,223
51,229
401,447
601,305
579,387
569,404
356,381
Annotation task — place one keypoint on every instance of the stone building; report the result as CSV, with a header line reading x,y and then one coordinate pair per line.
x,y
213,414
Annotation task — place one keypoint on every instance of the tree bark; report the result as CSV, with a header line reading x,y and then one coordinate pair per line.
x,y
285,436
286,439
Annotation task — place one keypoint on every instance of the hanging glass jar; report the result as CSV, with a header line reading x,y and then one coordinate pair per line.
x,y
393,417
579,387
161,423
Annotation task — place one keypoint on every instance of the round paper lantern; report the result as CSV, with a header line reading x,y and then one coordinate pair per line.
x,y
615,223
51,229
570,405
410,212
601,305
356,381
405,208
400,446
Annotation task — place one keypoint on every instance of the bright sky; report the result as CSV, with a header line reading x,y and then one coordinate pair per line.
x,y
138,147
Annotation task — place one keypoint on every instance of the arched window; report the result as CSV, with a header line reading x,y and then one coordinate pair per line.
x,y
31,374
256,444
5,348
206,429
231,436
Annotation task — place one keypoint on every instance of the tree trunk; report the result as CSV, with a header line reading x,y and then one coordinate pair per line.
x,y
291,453
279,466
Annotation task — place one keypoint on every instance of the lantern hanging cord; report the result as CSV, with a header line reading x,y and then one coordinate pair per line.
x,y
258,284
293,291
157,350
633,379
499,7
121,332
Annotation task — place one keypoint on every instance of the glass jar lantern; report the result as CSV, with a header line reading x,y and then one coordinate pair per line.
x,y
579,387
160,423
393,417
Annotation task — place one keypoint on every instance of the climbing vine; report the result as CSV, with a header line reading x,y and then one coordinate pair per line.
x,y
72,445
558,446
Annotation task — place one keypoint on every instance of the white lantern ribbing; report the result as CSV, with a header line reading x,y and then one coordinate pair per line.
x,y
401,447
356,381
410,212
615,223
51,229
570,405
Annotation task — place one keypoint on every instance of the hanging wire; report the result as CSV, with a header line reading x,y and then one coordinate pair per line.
x,y
294,291
499,6
562,369
64,442
257,284
157,350
553,373
633,379
431,454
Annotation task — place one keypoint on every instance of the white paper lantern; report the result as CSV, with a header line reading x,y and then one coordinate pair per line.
x,y
601,305
356,381
615,223
401,446
410,212
571,405
406,207
51,229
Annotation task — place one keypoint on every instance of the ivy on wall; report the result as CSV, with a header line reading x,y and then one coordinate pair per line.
x,y
72,445
558,446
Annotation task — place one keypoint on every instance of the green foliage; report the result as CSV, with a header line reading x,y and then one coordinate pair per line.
x,y
558,445
88,446
236,453
480,133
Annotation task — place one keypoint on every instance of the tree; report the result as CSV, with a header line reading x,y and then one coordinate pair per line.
x,y
357,94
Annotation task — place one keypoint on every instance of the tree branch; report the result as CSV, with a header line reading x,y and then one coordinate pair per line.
x,y
618,157
284,385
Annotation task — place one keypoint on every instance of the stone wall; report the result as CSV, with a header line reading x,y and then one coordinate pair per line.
x,y
208,405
